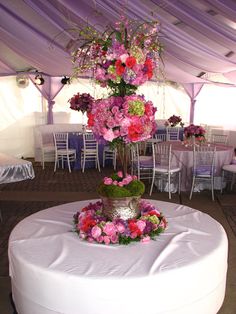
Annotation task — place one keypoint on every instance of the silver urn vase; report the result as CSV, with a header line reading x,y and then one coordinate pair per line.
x,y
122,207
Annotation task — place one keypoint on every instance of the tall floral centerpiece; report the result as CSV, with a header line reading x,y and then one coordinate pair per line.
x,y
121,59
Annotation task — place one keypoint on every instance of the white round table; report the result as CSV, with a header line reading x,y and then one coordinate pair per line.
x,y
182,272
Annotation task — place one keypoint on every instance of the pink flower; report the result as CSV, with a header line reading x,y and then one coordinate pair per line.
x,y
107,181
90,239
146,239
100,239
106,240
141,225
120,174
114,238
133,235
96,232
124,57
120,183
109,229
120,227
109,136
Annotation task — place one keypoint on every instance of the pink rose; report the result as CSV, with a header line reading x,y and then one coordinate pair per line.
x,y
145,239
120,227
100,239
109,136
120,174
106,240
109,229
141,225
96,232
133,235
107,181
120,183
114,238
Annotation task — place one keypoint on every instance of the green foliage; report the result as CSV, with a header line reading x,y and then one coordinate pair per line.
x,y
134,188
113,191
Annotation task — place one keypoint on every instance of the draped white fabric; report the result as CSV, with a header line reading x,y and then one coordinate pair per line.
x,y
24,108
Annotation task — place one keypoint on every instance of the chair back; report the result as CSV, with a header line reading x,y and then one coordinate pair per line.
x,y
172,133
204,160
219,138
161,137
141,165
162,155
89,141
61,140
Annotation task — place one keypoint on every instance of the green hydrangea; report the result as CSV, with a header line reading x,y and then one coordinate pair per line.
x,y
136,107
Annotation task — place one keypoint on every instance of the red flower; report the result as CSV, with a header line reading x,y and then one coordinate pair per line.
x,y
134,228
134,131
120,69
87,224
130,62
90,119
154,212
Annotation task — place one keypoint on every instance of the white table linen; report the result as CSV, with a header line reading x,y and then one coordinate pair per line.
x,y
182,272
183,157
14,169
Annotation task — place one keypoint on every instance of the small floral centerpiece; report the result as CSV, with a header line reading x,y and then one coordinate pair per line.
x,y
118,192
81,102
92,225
174,121
194,132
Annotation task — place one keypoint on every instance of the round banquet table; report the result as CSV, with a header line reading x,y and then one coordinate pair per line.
x,y
182,272
183,157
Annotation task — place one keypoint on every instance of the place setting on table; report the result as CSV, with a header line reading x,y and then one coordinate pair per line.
x,y
120,252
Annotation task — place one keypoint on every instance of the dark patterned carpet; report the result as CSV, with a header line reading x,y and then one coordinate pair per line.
x,y
59,181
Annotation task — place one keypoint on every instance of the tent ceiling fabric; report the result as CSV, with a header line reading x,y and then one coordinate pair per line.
x,y
199,36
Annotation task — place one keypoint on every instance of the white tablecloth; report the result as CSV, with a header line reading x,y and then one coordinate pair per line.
x,y
14,169
183,157
182,272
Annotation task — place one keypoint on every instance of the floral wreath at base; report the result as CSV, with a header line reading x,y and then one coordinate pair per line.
x,y
93,226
